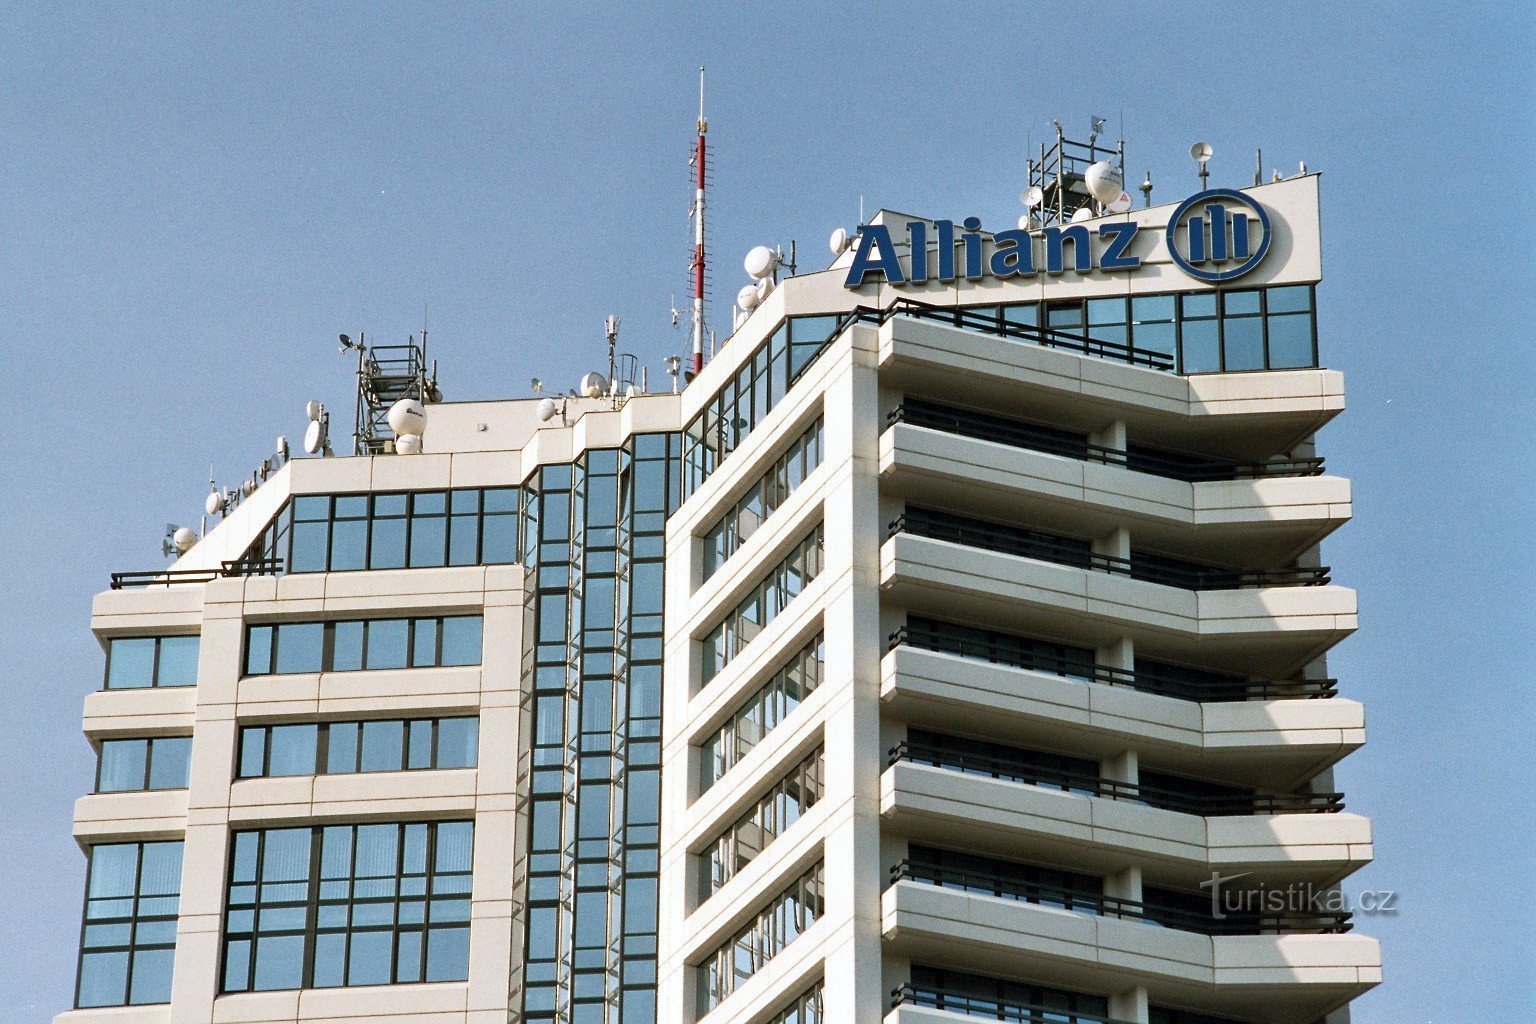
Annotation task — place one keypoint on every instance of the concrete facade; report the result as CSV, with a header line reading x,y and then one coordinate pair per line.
x,y
872,924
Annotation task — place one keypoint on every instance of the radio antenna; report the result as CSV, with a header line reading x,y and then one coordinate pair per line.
x,y
697,266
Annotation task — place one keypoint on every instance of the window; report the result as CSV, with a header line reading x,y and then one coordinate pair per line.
x,y
744,401
771,490
134,662
128,938
352,645
417,529
1028,883
807,1008
337,748
976,996
999,761
775,927
348,905
128,765
763,711
763,605
773,813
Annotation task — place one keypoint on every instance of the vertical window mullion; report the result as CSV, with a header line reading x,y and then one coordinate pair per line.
x,y
312,905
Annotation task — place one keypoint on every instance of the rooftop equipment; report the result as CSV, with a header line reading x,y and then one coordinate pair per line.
x,y
386,374
1059,183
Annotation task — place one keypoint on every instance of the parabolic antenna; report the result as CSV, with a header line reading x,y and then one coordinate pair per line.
x,y
760,262
838,241
746,297
1103,181
407,418
547,409
593,385
314,437
1032,196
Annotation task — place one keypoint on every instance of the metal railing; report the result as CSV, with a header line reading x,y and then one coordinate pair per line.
x,y
1012,887
992,1008
1203,804
1065,551
970,320
1055,442
1002,652
171,577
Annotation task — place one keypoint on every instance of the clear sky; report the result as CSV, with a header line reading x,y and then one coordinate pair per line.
x,y
195,200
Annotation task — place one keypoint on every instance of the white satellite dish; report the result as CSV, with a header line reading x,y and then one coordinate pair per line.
x,y
547,408
408,418
838,241
1200,152
213,504
593,385
1032,196
1120,203
184,539
741,318
408,444
764,289
760,262
1082,214
313,410
1103,181
314,437
746,297
1025,223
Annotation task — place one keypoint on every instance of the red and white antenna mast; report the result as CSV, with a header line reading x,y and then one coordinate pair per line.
x,y
698,235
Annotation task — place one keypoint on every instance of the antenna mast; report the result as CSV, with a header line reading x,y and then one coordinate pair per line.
x,y
698,235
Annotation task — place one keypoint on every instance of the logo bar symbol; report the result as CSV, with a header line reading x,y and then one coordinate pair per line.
x,y
1216,228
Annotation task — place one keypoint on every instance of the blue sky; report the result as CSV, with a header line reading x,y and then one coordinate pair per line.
x,y
194,201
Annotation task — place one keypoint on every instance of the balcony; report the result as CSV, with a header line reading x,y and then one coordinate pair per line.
x,y
1263,623
1022,694
991,810
1206,800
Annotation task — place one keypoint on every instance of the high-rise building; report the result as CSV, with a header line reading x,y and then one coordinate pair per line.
x,y
952,646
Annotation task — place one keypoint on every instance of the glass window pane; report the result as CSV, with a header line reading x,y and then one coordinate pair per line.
x,y
341,748
457,740
1155,337
1146,308
103,979
1027,314
448,954
498,543
122,766
1065,315
387,643
292,750
299,647
311,507
1106,311
349,545
310,541
170,762
418,751
455,846
160,869
462,640
383,746
1199,304
131,662
1295,299
1235,303
347,645
1200,350
258,650
279,962
370,959
423,642
330,960
502,499
151,982
387,547
114,870
253,751
1290,341
178,661
429,540
1243,343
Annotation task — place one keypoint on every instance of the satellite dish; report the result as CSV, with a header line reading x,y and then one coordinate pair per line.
x,y
741,318
547,409
764,289
184,539
838,241
1032,196
593,385
1025,223
282,448
313,410
408,444
1082,214
1120,203
1201,152
1103,181
760,262
314,437
213,504
746,297
407,417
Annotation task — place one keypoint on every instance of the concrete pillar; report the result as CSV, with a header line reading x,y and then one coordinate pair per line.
x,y
1120,654
1116,543
1130,1005
1110,436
